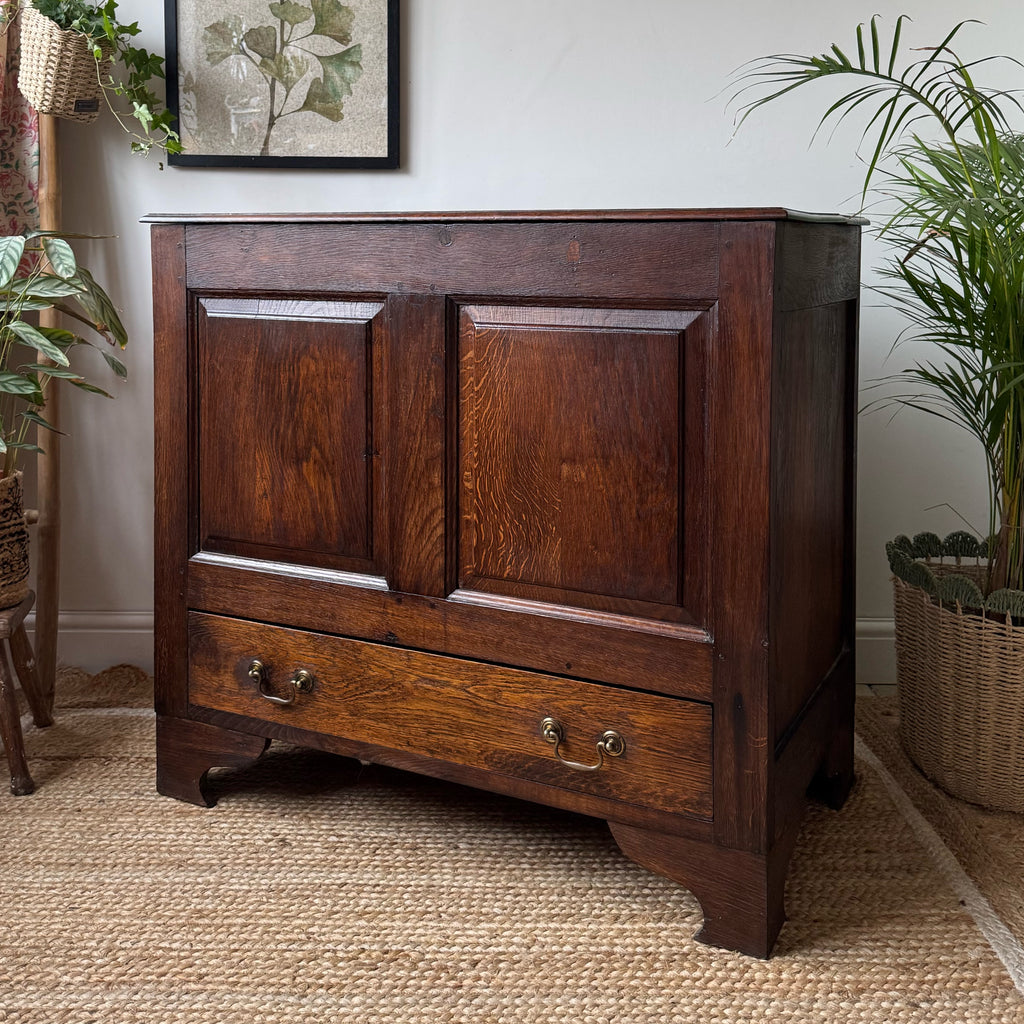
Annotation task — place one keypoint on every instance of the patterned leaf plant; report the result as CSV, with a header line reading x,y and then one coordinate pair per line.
x,y
282,54
39,271
946,157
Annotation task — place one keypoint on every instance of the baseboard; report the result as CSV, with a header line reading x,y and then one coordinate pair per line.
x,y
96,640
876,651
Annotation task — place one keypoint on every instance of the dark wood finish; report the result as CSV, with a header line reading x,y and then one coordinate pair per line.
x,y
740,892
297,493
12,629
187,750
174,476
568,473
484,716
596,467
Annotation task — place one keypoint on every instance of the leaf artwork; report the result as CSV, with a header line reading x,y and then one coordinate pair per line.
x,y
289,56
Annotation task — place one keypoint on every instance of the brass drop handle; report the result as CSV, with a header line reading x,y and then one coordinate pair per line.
x,y
610,743
301,682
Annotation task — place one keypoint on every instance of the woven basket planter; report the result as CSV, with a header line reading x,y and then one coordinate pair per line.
x,y
13,543
58,73
961,697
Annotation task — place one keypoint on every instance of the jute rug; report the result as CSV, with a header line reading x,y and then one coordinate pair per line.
x,y
320,890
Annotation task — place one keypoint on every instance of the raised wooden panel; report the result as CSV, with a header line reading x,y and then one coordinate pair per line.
x,y
570,455
286,425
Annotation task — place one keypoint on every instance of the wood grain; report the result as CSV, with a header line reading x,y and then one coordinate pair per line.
x,y
656,261
739,448
608,475
460,711
285,402
173,466
558,492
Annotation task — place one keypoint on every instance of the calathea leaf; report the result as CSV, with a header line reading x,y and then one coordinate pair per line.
x,y
34,417
262,40
11,249
21,384
46,286
222,39
61,257
30,336
292,13
333,20
95,301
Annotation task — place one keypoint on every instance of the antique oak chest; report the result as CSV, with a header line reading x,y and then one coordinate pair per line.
x,y
559,505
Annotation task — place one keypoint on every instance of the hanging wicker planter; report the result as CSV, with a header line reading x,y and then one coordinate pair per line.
x,y
13,543
58,73
960,676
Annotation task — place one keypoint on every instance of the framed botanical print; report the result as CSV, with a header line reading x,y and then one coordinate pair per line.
x,y
284,83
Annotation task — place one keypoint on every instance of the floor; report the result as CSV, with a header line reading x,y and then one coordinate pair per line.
x,y
876,690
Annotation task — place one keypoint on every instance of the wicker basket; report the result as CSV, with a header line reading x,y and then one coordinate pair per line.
x,y
13,543
58,73
961,697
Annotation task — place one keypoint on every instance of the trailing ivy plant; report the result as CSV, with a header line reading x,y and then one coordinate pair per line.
x,y
39,271
282,53
133,73
947,156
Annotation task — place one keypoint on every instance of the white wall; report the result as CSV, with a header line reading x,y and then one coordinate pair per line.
x,y
533,104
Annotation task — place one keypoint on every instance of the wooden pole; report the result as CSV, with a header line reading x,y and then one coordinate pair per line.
x,y
48,478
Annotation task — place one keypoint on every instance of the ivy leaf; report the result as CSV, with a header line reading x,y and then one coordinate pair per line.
x,y
61,257
262,40
11,249
294,14
222,39
333,20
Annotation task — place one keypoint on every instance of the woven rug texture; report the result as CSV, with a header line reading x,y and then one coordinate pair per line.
x,y
322,890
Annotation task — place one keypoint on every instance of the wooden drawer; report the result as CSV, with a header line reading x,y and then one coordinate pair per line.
x,y
464,712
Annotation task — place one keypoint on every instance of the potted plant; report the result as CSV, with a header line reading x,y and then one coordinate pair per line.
x,y
73,53
39,271
945,158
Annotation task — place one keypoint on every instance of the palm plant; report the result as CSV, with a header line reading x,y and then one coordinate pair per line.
x,y
951,164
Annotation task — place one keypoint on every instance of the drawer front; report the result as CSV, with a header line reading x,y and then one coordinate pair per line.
x,y
463,712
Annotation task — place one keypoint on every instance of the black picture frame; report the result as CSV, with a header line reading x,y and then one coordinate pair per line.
x,y
380,114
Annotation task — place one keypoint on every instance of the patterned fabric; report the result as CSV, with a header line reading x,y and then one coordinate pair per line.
x,y
19,137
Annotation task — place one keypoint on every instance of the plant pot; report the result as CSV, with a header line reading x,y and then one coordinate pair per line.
x,y
960,680
58,73
13,543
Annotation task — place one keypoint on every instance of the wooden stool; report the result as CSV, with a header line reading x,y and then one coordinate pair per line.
x,y
12,630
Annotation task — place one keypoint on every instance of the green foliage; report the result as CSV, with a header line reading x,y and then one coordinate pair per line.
x,y
284,56
956,237
1006,602
135,70
927,545
959,590
961,544
29,283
